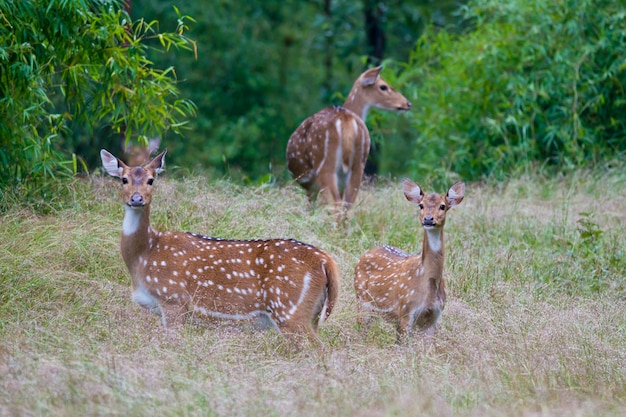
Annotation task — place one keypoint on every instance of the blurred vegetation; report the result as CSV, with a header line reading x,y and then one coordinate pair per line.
x,y
69,69
498,87
530,83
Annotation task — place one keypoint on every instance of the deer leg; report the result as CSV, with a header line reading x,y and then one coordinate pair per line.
x,y
429,336
327,184
311,194
174,316
300,334
353,184
363,317
403,329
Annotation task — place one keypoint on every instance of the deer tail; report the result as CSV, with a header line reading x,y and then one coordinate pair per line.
x,y
333,283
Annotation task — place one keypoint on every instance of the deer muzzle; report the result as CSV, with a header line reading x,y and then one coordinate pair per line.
x,y
136,200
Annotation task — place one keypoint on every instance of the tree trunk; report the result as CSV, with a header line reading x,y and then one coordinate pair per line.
x,y
374,12
328,59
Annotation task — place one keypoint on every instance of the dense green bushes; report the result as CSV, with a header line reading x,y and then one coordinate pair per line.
x,y
69,68
532,83
514,85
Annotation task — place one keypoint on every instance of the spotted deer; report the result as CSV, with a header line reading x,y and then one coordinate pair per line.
x,y
177,274
409,289
328,151
136,154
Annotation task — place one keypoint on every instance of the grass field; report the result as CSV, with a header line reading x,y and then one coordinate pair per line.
x,y
535,323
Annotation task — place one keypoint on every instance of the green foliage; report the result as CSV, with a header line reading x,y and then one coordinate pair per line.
x,y
77,66
497,89
263,67
533,82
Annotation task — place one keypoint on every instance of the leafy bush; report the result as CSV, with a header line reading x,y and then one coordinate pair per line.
x,y
72,66
531,83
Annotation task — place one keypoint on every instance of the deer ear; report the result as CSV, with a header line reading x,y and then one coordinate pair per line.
x,y
412,191
158,163
111,164
455,194
370,76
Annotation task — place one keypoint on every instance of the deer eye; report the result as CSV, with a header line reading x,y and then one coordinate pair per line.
x,y
442,207
421,206
383,87
124,180
150,181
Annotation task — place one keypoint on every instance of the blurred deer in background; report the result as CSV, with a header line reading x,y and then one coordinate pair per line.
x,y
175,274
410,289
137,155
328,151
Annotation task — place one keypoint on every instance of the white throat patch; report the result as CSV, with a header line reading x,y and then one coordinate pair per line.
x,y
434,239
132,217
366,109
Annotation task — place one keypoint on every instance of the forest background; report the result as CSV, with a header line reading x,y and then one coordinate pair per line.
x,y
498,87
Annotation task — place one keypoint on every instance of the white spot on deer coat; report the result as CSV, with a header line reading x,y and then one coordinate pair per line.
x,y
306,282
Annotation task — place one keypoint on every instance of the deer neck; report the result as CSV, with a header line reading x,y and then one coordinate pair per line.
x,y
137,236
432,253
356,102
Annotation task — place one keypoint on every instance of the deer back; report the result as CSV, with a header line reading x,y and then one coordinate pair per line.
x,y
285,279
333,140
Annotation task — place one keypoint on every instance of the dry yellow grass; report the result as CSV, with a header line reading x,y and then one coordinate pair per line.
x,y
535,324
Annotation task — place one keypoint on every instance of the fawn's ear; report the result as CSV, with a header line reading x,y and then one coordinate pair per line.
x,y
412,191
111,164
370,76
158,163
455,194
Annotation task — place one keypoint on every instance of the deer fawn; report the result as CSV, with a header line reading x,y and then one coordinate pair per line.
x,y
328,151
175,274
137,155
409,289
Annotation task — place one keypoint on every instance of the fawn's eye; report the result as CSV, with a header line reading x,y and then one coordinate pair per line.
x,y
124,180
442,207
421,206
383,87
150,181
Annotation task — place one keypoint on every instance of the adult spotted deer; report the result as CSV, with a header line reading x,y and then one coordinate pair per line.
x,y
136,155
175,274
409,289
328,151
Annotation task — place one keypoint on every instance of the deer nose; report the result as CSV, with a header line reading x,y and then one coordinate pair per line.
x,y
408,104
136,200
428,221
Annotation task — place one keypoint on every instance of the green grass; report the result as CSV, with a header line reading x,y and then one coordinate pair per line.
x,y
535,323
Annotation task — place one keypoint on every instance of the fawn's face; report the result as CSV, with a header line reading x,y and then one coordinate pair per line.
x,y
137,186
136,181
433,207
